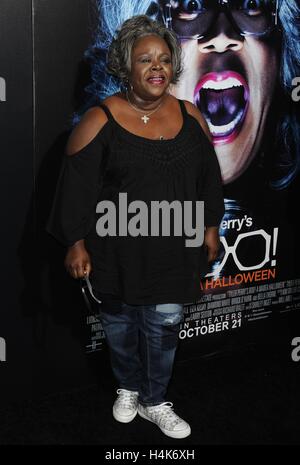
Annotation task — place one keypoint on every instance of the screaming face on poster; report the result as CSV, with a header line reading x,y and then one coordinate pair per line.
x,y
240,58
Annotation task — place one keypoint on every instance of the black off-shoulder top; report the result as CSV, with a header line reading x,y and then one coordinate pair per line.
x,y
143,269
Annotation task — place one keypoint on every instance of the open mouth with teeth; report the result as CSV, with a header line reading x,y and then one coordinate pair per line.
x,y
156,80
223,100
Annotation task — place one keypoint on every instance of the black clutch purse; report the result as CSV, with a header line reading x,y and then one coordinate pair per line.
x,y
91,301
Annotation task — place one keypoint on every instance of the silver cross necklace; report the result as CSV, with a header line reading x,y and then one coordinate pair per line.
x,y
145,118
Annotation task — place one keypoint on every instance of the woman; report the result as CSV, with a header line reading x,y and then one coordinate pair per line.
x,y
146,144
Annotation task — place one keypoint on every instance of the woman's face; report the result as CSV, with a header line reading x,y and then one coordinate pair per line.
x,y
151,67
231,78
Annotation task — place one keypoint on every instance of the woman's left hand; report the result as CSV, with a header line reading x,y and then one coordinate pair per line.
x,y
212,242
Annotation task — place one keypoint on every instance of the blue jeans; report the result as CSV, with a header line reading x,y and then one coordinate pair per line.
x,y
142,340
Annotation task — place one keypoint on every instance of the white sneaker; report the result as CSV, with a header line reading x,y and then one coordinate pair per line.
x,y
125,406
166,419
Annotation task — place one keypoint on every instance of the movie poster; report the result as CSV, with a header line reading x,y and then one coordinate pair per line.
x,y
241,69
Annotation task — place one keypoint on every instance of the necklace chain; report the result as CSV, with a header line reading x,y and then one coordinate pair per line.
x,y
145,118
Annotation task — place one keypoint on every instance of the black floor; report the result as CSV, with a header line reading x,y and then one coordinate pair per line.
x,y
250,397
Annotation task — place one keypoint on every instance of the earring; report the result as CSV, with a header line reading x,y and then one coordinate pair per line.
x,y
128,84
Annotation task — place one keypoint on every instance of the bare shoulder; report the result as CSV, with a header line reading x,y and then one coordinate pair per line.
x,y
114,101
196,113
86,130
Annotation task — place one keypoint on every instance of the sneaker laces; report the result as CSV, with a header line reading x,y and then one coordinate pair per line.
x,y
164,415
127,399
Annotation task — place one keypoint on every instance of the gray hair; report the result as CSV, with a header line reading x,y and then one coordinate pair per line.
x,y
119,51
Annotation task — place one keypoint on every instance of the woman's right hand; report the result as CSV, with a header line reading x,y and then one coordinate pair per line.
x,y
77,261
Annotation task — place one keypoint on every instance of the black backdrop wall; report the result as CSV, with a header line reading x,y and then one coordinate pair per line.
x,y
17,168
43,331
40,59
